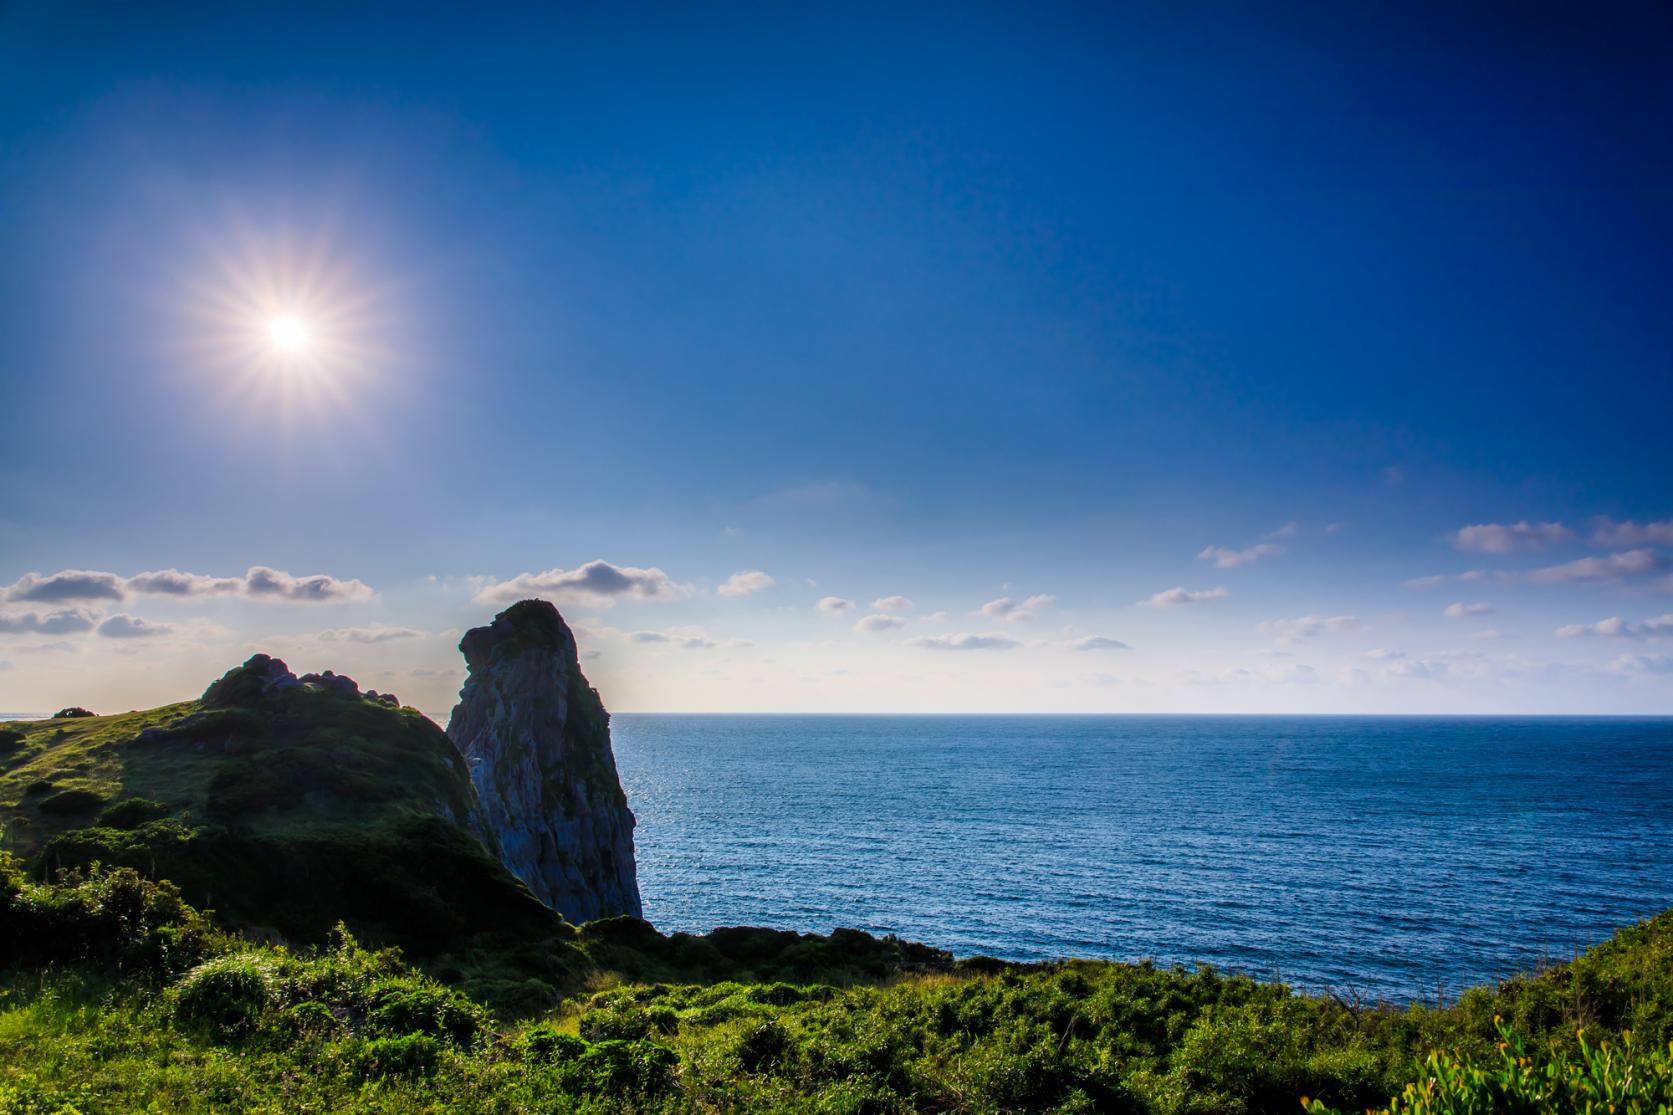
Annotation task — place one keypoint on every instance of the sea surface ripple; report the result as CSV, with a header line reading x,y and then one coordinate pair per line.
x,y
1398,857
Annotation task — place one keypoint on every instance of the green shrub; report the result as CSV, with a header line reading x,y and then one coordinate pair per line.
x,y
130,813
762,1045
67,802
615,1024
547,1045
308,1020
227,997
417,1006
636,1068
408,1055
138,927
1576,1079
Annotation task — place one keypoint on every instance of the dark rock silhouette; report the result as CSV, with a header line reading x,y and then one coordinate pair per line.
x,y
537,739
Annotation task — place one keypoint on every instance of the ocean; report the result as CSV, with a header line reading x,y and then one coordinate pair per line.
x,y
1393,857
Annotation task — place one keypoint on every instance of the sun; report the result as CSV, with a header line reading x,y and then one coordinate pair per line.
x,y
289,334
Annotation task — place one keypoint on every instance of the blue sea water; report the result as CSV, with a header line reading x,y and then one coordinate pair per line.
x,y
1399,857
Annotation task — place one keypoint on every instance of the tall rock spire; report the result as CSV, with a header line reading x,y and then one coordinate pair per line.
x,y
538,742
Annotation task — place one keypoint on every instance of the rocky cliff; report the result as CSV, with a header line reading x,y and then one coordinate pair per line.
x,y
537,739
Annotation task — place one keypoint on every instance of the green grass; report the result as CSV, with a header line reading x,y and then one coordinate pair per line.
x,y
284,820
120,997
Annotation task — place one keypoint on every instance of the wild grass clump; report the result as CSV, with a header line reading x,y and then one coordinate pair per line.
x,y
1582,1078
229,996
115,919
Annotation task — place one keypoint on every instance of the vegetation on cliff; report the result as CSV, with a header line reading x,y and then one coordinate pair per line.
x,y
285,813
118,996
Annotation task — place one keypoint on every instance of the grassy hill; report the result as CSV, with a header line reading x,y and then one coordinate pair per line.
x,y
285,819
117,996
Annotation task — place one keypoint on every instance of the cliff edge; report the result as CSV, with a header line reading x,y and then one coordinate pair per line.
x,y
537,741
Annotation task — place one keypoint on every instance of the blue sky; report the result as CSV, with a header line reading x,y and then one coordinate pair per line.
x,y
1283,309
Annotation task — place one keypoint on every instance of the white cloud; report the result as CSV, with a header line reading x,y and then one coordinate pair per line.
x,y
745,582
879,623
172,582
1099,642
1610,533
1289,631
1614,567
1294,673
1641,664
1628,563
374,633
1461,610
262,583
834,605
64,621
1617,628
1175,597
132,627
964,641
1010,610
258,583
65,585
891,604
1224,558
1502,538
598,584
937,617
1488,633
687,638
1286,531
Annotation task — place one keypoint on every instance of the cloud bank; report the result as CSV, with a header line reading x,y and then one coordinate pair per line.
x,y
745,582
1503,538
1176,597
1015,612
598,584
1225,558
132,627
964,641
259,582
1610,533
65,621
1617,628
375,633
1289,631
1099,642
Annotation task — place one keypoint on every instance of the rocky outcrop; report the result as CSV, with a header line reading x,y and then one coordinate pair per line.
x,y
537,739
263,678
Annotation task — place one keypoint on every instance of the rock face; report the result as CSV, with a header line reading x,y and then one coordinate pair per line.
x,y
537,739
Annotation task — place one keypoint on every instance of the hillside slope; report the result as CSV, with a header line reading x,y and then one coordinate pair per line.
x,y
283,810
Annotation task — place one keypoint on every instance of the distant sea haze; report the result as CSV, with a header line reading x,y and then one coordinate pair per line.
x,y
1399,857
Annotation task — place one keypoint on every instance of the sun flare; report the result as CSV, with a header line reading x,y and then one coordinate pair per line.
x,y
283,324
288,333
